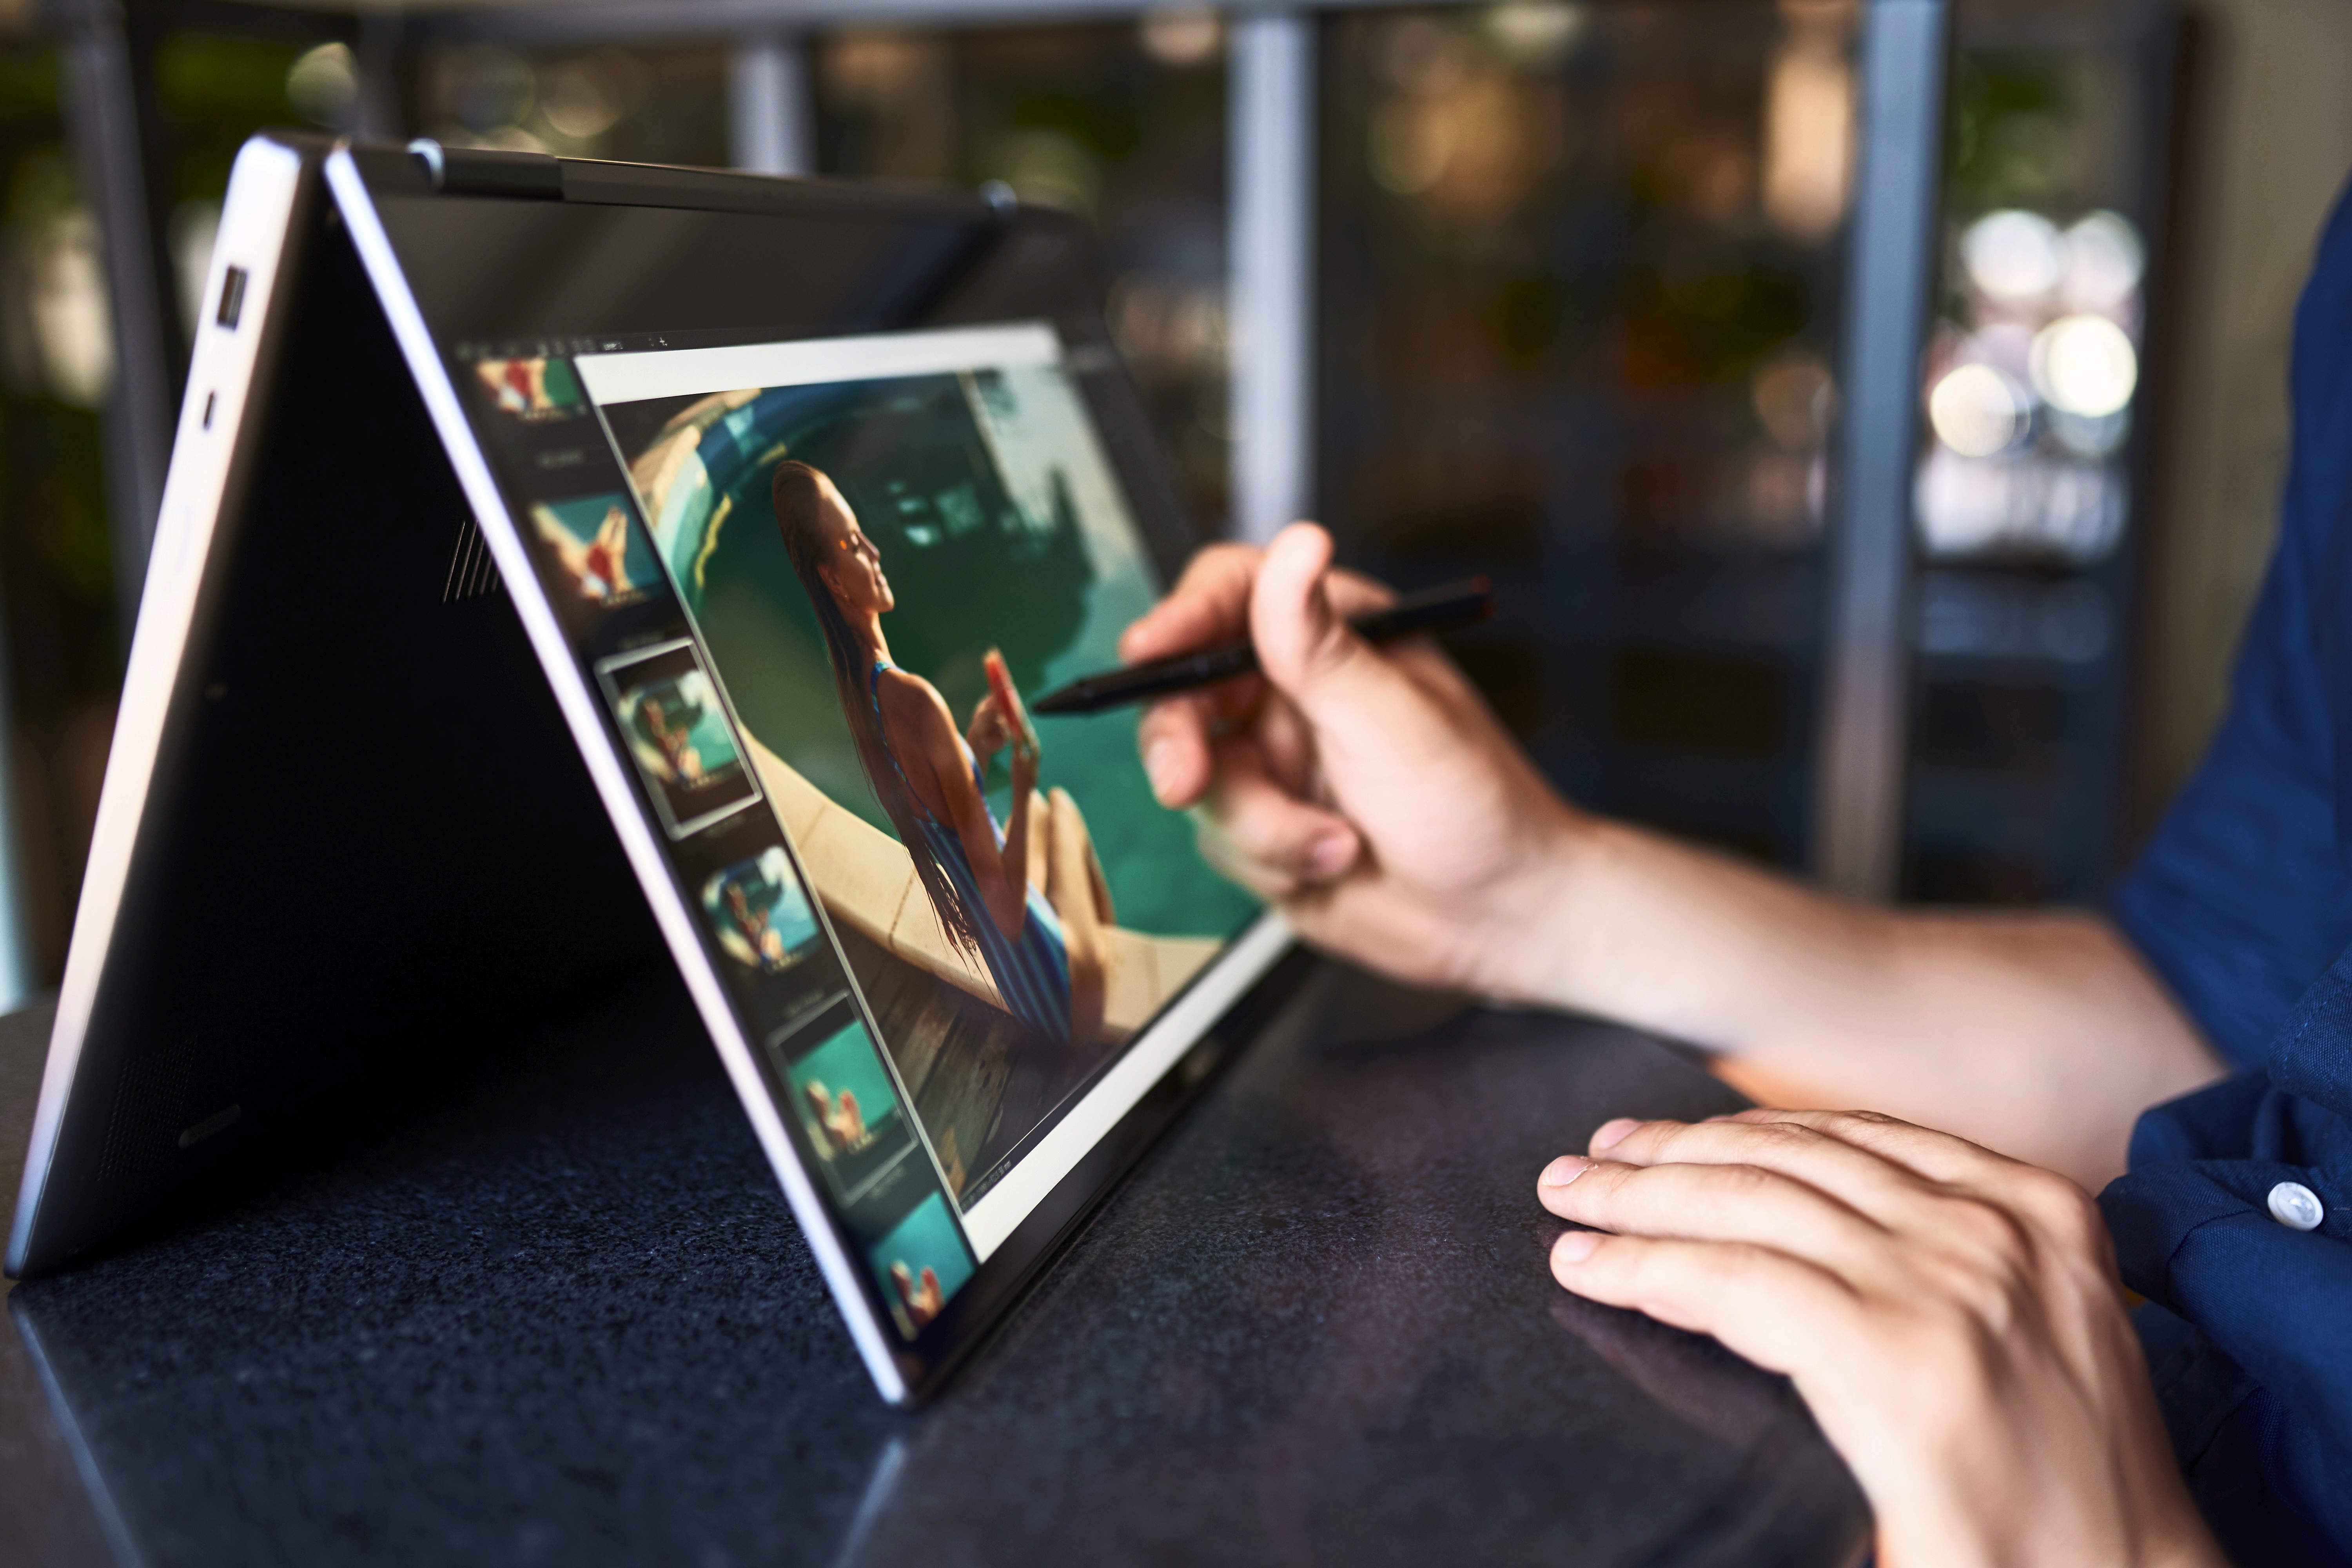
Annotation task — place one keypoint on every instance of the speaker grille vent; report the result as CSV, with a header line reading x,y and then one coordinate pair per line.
x,y
148,1112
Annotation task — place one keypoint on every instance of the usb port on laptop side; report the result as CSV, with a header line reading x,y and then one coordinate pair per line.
x,y
232,298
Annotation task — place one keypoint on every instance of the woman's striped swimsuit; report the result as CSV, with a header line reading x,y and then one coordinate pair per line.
x,y
1032,971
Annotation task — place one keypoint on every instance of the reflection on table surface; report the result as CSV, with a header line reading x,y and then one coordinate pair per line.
x,y
565,1316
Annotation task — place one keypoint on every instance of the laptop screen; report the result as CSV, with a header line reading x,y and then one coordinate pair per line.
x,y
883,544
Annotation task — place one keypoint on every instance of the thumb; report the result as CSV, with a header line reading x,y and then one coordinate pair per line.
x,y
1307,648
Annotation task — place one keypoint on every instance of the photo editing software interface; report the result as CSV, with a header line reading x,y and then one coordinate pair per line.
x,y
813,582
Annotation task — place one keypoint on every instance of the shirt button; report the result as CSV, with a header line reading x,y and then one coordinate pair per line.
x,y
2296,1206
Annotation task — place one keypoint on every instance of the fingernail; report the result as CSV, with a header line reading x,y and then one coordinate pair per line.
x,y
1563,1171
1575,1247
1330,854
1159,767
1613,1132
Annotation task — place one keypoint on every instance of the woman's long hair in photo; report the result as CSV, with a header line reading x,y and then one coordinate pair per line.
x,y
798,495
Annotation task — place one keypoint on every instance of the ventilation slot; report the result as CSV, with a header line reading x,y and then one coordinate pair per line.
x,y
472,572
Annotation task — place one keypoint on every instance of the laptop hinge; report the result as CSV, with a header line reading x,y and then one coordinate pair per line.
x,y
488,170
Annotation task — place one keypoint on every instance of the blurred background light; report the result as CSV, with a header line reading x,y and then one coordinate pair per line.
x,y
1183,35
2085,365
195,223
584,98
2014,256
2105,259
1795,400
65,287
322,86
1977,411
2090,435
2070,512
1809,126
1536,32
479,96
1046,167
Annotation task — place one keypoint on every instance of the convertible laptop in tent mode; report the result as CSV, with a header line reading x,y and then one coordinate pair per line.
x,y
763,499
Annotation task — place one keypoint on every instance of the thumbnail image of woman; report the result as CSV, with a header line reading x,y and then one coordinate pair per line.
x,y
840,1118
921,1302
675,742
598,566
1028,897
530,389
751,925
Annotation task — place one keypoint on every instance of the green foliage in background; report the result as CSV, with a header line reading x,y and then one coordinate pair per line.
x,y
214,91
2011,136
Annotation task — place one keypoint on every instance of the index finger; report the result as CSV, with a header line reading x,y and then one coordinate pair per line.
x,y
1208,603
1784,1315
1883,1189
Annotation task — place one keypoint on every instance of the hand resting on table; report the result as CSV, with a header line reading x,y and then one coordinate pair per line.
x,y
1952,1318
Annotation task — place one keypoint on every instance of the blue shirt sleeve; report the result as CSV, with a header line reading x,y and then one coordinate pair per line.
x,y
2242,898
2243,904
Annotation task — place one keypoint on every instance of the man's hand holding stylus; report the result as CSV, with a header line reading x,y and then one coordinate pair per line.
x,y
1951,1315
1369,792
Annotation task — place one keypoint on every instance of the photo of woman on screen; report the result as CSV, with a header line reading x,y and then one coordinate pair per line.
x,y
1027,898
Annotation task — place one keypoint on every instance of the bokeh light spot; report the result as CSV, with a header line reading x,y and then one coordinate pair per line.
x,y
2014,255
1977,411
2086,365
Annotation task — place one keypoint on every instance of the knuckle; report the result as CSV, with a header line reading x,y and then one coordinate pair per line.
x,y
1617,1175
1788,1135
1231,861
1646,1139
1739,1268
1862,1127
1601,1187
1747,1182
1210,557
2069,1214
1993,1301
1988,1274
1264,832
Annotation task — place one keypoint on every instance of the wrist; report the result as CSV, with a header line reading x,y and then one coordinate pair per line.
x,y
1525,915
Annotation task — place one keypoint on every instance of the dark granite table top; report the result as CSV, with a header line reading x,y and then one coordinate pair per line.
x,y
562,1315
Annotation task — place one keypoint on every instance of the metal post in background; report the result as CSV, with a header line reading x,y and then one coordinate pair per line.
x,y
1272,99
771,112
1891,262
380,56
103,121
